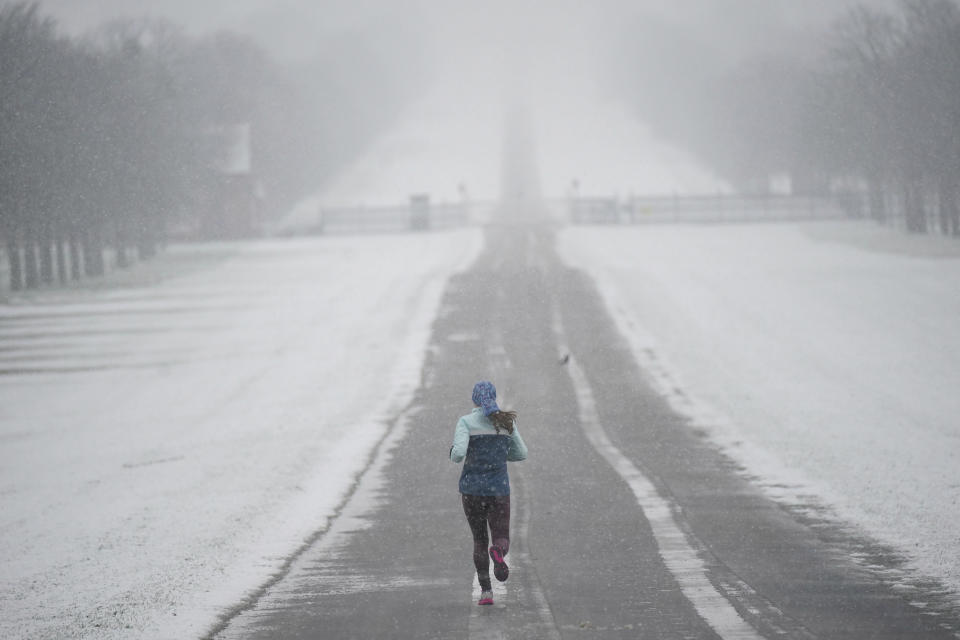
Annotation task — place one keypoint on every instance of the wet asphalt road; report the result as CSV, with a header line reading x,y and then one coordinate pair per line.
x,y
587,561
626,522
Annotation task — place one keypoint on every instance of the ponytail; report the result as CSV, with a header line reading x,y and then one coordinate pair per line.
x,y
503,420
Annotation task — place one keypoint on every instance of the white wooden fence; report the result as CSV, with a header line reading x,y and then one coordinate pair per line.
x,y
702,209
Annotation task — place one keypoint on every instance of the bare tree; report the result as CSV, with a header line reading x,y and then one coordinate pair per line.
x,y
32,119
930,106
104,142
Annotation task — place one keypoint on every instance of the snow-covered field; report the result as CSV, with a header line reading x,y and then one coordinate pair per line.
x,y
824,357
168,440
166,445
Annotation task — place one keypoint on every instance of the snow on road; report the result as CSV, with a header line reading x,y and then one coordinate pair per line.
x,y
165,447
609,153
821,356
446,145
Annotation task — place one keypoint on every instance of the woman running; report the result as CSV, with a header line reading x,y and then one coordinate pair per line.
x,y
487,437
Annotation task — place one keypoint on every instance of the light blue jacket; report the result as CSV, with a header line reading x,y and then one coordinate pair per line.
x,y
486,453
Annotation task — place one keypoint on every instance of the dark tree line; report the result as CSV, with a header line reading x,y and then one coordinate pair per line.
x,y
892,88
105,141
872,111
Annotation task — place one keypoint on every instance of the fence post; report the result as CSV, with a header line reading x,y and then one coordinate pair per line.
x,y
419,212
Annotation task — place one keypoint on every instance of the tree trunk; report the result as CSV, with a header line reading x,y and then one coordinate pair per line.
x,y
30,271
909,208
920,207
147,240
75,250
93,253
878,210
943,204
122,260
950,205
45,246
87,240
146,249
913,207
99,266
16,264
61,243
123,257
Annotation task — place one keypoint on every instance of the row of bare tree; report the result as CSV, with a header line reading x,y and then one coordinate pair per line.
x,y
871,109
105,140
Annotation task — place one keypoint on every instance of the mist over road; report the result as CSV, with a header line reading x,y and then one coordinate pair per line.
x,y
735,431
627,523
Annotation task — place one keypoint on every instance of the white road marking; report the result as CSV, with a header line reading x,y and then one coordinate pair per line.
x,y
548,626
486,623
678,554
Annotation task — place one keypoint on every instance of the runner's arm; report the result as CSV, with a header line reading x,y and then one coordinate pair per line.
x,y
518,449
461,438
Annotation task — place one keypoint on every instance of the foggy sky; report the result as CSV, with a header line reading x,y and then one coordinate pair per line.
x,y
540,54
291,29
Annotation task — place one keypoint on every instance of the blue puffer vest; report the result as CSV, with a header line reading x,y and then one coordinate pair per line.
x,y
485,468
485,453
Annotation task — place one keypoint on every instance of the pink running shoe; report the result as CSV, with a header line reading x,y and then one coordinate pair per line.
x,y
486,597
500,569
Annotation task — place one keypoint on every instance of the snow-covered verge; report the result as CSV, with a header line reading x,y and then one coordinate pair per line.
x,y
166,446
823,357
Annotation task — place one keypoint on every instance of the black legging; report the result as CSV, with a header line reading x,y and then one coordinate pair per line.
x,y
482,511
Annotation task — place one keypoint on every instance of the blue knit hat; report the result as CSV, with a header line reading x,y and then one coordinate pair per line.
x,y
485,397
